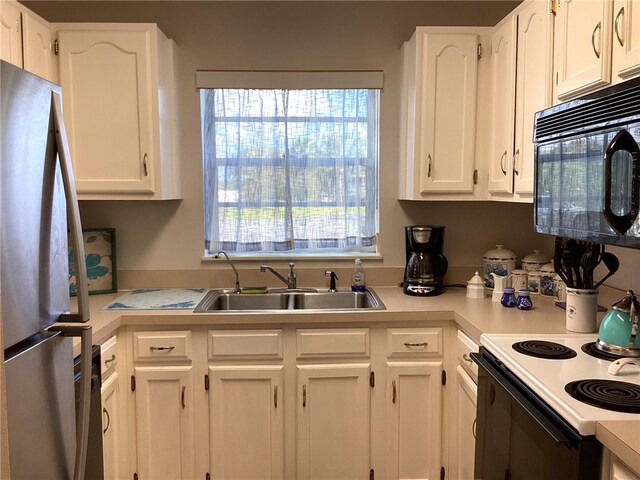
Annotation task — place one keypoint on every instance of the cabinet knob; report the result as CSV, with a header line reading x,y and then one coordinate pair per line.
x,y
504,155
393,391
162,349
110,360
144,165
429,165
515,162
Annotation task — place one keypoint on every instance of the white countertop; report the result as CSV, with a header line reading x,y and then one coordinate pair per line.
x,y
474,317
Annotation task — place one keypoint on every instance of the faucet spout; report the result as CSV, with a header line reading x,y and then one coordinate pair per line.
x,y
290,281
237,287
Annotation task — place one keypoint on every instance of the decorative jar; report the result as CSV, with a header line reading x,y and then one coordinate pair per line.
x,y
547,280
508,298
523,302
534,261
499,261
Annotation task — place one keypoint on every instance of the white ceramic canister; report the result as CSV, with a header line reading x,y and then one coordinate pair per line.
x,y
499,261
534,261
547,280
582,310
519,279
475,287
533,279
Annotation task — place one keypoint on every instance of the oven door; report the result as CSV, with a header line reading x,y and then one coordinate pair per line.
x,y
520,437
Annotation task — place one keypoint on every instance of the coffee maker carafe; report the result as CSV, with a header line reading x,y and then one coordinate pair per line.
x,y
426,265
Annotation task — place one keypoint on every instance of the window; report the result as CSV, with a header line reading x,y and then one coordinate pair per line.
x,y
290,170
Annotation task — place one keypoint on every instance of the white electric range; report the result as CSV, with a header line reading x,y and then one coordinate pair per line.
x,y
547,378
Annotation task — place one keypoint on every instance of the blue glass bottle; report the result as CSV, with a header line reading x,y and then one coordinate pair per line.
x,y
523,302
508,298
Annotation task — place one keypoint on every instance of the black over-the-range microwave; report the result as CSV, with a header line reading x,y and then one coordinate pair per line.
x,y
587,167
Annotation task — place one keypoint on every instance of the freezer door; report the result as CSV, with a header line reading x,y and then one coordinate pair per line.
x,y
33,218
41,408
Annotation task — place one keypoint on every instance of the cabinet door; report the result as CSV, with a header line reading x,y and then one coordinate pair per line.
x,y
503,94
10,33
583,52
38,56
533,86
449,83
414,420
246,422
114,451
463,435
626,40
106,76
165,422
333,422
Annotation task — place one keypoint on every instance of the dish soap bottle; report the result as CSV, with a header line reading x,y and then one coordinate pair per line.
x,y
357,281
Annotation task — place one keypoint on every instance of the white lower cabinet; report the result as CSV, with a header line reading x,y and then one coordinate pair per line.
x,y
464,426
414,420
333,422
112,434
614,469
164,422
312,403
246,432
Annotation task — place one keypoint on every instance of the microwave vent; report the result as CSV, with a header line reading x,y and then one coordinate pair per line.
x,y
582,116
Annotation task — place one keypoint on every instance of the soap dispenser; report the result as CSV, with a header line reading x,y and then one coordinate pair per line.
x,y
357,283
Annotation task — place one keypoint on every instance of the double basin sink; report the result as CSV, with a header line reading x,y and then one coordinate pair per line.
x,y
219,300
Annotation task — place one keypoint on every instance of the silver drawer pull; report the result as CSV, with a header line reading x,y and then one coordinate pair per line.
x,y
109,360
161,349
467,358
418,344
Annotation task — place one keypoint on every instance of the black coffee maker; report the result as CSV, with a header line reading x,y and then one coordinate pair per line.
x,y
426,266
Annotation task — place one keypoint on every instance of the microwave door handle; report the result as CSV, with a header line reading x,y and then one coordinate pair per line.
x,y
623,141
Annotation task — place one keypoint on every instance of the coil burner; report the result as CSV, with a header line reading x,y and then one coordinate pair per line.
x,y
608,394
544,349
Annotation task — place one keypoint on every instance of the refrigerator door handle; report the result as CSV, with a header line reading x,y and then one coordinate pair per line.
x,y
73,213
82,425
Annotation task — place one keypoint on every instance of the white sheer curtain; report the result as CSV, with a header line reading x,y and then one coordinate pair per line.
x,y
290,170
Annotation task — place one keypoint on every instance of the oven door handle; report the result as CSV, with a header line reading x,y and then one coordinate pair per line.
x,y
539,414
623,141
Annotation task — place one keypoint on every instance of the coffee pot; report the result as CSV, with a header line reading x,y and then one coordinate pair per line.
x,y
618,333
426,265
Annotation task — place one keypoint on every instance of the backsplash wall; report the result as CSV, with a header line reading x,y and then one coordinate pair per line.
x,y
300,35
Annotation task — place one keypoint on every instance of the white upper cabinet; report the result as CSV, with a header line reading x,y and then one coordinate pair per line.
x,y
38,54
583,46
626,40
439,113
118,105
534,86
10,33
503,94
521,58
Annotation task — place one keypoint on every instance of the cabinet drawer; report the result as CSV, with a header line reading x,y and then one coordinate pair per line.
x,y
245,343
158,346
343,342
464,346
402,342
108,357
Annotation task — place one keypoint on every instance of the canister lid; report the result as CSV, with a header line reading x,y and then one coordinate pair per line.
x,y
536,257
499,253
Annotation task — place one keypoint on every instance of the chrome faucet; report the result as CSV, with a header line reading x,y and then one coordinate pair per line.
x,y
216,256
290,281
332,280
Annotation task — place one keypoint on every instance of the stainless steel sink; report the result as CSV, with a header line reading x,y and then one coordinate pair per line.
x,y
217,300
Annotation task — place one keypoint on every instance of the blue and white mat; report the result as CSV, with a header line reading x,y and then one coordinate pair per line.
x,y
159,299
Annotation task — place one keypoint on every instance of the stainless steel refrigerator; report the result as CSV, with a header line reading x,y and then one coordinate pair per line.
x,y
38,205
